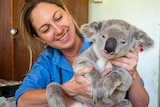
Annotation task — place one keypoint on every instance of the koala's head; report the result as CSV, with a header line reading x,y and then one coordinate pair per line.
x,y
114,38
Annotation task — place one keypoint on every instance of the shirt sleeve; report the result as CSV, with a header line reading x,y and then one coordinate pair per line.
x,y
37,78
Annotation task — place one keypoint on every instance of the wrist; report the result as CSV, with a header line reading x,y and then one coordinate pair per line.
x,y
68,88
134,75
137,79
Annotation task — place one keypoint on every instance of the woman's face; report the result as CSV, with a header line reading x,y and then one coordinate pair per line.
x,y
53,25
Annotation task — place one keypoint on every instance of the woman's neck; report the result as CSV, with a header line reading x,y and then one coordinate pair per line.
x,y
72,53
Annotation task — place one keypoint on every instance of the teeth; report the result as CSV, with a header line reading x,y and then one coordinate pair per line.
x,y
63,37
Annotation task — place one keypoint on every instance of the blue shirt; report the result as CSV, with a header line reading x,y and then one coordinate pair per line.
x,y
51,66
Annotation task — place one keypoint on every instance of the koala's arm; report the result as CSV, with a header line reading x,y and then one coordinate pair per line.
x,y
89,59
86,59
137,93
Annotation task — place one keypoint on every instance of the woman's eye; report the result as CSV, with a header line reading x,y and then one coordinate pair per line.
x,y
59,18
45,30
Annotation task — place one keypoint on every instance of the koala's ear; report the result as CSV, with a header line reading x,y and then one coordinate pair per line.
x,y
142,41
91,29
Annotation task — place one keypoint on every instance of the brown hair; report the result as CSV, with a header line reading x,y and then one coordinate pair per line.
x,y
26,28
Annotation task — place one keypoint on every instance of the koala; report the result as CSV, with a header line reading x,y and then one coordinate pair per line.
x,y
110,39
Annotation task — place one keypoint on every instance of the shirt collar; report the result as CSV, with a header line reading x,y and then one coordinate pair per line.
x,y
59,60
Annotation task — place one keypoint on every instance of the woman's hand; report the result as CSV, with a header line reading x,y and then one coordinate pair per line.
x,y
108,70
136,93
128,62
79,84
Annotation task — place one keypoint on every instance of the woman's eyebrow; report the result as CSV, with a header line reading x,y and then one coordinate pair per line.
x,y
52,17
55,13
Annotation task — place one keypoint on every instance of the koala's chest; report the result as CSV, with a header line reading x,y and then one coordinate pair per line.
x,y
103,64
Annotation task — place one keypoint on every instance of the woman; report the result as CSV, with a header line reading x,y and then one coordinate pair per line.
x,y
50,23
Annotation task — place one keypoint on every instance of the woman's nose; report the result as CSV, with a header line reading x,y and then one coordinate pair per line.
x,y
57,29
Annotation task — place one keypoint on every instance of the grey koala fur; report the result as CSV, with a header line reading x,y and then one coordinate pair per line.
x,y
111,39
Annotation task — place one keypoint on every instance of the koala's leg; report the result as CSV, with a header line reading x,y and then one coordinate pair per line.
x,y
54,94
116,80
57,97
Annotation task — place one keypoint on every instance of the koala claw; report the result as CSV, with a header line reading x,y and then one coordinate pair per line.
x,y
96,96
97,93
125,103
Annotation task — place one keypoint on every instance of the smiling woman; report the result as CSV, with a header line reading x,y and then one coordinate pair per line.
x,y
53,26
43,29
50,22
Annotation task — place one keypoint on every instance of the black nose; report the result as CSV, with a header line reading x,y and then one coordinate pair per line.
x,y
111,44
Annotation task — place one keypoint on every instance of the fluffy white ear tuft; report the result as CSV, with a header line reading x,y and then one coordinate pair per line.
x,y
142,41
91,30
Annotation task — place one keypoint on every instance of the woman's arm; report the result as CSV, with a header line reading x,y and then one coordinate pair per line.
x,y
33,98
137,93
77,85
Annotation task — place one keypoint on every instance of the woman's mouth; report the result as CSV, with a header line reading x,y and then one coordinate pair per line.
x,y
64,37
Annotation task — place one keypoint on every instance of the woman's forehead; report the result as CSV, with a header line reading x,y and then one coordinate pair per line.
x,y
45,7
43,12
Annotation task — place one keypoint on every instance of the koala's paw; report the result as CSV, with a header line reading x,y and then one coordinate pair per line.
x,y
97,92
96,95
54,96
107,91
111,82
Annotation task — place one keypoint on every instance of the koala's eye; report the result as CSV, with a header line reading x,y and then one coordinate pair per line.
x,y
103,37
123,42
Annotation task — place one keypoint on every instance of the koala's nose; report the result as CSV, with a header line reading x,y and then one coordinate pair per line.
x,y
111,44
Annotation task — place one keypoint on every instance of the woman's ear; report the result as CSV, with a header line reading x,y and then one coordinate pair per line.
x,y
38,38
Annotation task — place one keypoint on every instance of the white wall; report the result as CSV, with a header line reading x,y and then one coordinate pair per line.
x,y
144,14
